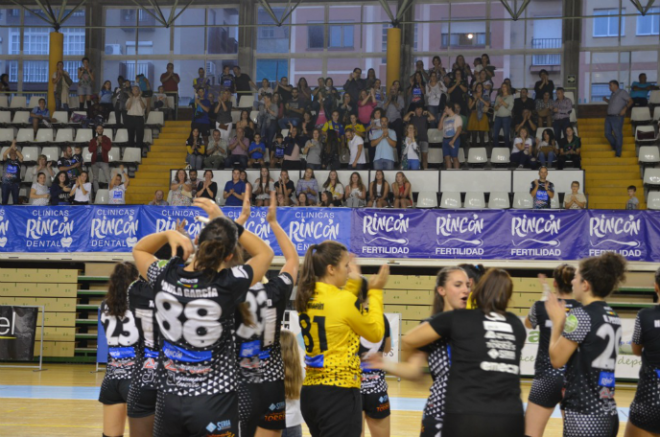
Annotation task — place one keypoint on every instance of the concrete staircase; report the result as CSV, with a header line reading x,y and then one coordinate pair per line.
x,y
608,177
167,152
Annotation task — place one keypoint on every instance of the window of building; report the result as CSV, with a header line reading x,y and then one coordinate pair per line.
x,y
600,90
649,24
37,40
144,47
341,36
315,36
606,23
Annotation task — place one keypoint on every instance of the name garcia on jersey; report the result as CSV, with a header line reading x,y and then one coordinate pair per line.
x,y
191,293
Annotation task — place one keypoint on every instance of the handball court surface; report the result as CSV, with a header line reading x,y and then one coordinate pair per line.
x,y
61,401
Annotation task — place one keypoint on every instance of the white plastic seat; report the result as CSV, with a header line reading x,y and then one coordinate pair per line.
x,y
572,117
64,135
84,136
253,116
477,155
649,155
155,118
51,153
522,201
654,98
30,153
29,173
44,136
25,135
235,116
132,155
652,176
640,114
62,117
653,200
4,102
121,136
114,155
656,113
5,117
108,133
450,200
645,128
102,197
21,117
18,102
148,136
427,199
554,202
6,135
474,200
285,133
499,200
435,136
87,156
500,155
112,119
571,96
435,155
2,153
461,155
232,99
34,101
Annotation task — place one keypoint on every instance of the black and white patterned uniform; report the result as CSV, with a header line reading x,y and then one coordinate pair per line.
x,y
645,408
549,382
122,336
373,380
589,399
439,359
195,314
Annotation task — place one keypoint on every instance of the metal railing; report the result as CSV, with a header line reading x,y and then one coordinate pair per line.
x,y
546,43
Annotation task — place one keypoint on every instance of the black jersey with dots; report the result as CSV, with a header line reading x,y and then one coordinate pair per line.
x,y
439,361
141,303
538,317
373,381
596,328
258,347
122,336
645,408
195,314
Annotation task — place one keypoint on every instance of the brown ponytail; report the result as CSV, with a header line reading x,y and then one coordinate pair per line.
x,y
315,264
217,241
563,276
493,292
121,278
441,281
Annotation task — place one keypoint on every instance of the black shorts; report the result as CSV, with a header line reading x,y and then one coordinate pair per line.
x,y
262,405
547,391
204,128
582,425
114,391
332,411
196,416
431,426
141,402
643,413
484,425
376,405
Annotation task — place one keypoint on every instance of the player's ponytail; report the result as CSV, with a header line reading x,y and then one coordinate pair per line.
x,y
122,276
493,292
293,375
217,241
315,265
603,273
563,276
441,281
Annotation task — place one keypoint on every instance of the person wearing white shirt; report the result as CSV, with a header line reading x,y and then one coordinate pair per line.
x,y
118,188
410,157
39,193
81,189
575,199
521,152
357,159
436,97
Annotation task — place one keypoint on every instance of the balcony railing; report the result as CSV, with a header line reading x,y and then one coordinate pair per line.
x,y
546,43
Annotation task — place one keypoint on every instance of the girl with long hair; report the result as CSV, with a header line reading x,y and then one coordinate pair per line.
x,y
195,307
547,147
105,99
303,200
485,346
326,200
308,185
522,149
330,152
332,324
402,190
122,335
335,187
356,192
478,123
263,187
379,191
196,149
60,189
548,385
293,379
81,189
207,188
416,91
246,124
586,341
411,151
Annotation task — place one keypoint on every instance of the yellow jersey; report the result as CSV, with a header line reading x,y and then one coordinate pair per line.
x,y
331,328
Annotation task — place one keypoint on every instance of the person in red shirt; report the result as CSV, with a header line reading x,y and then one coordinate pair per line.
x,y
99,148
170,81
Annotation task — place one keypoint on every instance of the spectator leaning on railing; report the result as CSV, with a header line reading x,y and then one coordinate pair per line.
x,y
158,199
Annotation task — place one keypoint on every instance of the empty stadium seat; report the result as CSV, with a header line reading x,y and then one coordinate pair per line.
x,y
6,135
435,136
554,202
235,116
21,117
108,133
114,155
499,200
102,197
654,99
477,156
30,153
500,156
652,176
640,115
18,102
646,134
571,96
450,200
5,117
84,136
474,200
25,135
253,116
427,199
87,156
522,201
29,173
121,136
148,137
4,102
656,113
285,132
2,152
112,119
64,136
461,155
435,155
44,136
653,200
649,155
52,153
132,155
156,119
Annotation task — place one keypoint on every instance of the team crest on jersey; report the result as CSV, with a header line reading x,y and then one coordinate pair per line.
x,y
571,324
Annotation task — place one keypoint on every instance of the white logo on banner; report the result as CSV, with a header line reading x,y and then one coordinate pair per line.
x,y
172,215
622,232
49,223
375,224
462,229
313,225
4,227
536,229
113,223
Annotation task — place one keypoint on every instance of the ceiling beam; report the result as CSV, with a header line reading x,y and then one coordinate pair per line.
x,y
642,9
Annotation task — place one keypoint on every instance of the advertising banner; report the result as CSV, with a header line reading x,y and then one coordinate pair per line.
x,y
18,327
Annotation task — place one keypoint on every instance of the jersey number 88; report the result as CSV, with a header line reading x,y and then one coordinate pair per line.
x,y
201,328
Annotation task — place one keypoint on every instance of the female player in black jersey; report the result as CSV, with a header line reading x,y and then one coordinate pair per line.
x,y
586,341
483,388
548,385
262,399
195,307
644,420
451,293
122,335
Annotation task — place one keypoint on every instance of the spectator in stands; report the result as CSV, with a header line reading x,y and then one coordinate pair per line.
x,y
562,109
170,81
463,67
326,200
379,94
319,95
633,202
105,99
11,176
201,82
118,187
411,150
544,109
181,189
384,141
307,125
62,82
313,149
640,91
374,121
402,191
227,80
223,110
308,185
4,83
244,179
303,200
294,110
569,149
238,150
334,124
264,90
458,90
39,193
120,96
85,81
81,190
526,121
69,165
263,187
330,155
545,85
284,186
267,119
356,193
483,79
135,110
521,153
357,153
256,152
244,86
357,127
436,97
393,106
40,115
452,125
158,199
216,152
60,190
478,126
347,108
575,199
520,104
234,189
366,105
335,187
145,89
44,166
617,105
334,92
542,190
99,148
416,91
246,124
547,148
503,107
194,182
207,188
420,119
293,144
305,92
162,103
196,150
284,89
371,78
379,191
277,152
354,84
478,68
485,63
437,68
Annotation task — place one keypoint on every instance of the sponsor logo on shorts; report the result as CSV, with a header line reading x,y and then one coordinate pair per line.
x,y
383,407
220,426
277,406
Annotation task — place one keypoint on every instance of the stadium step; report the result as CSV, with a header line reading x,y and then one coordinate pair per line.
x,y
587,153
611,168
611,161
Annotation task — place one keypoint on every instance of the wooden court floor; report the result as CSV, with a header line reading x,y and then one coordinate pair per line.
x,y
31,417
